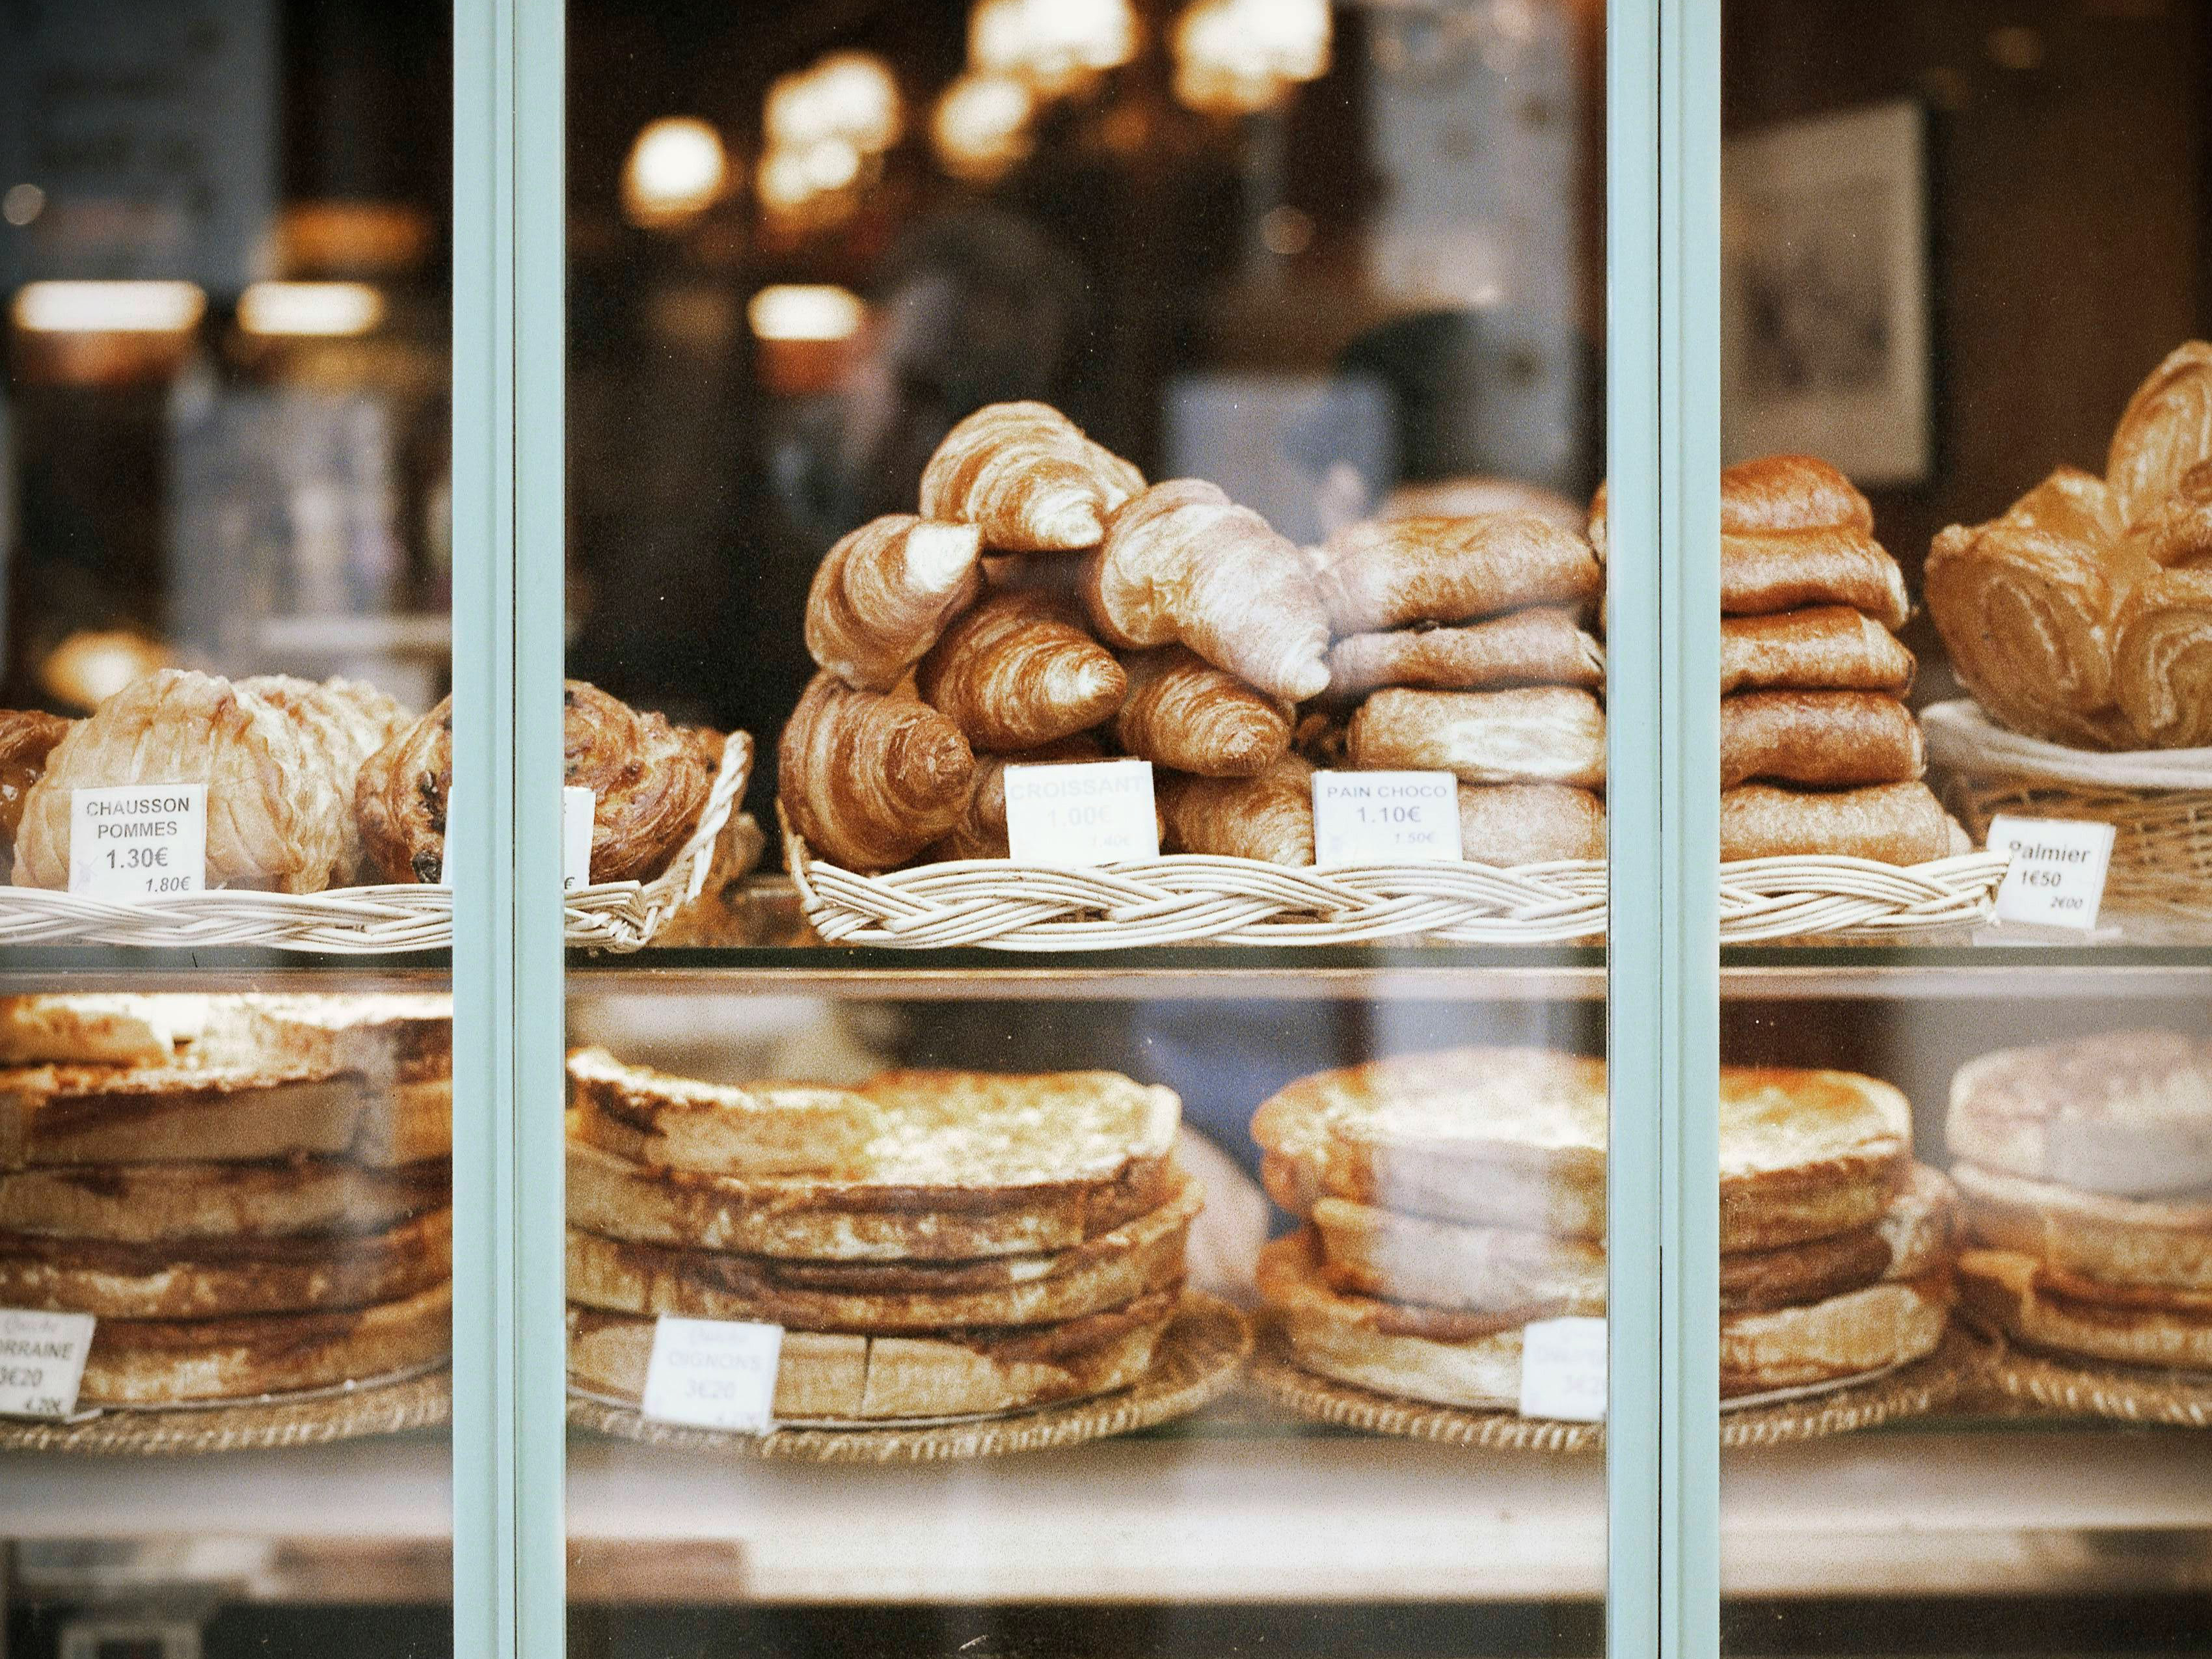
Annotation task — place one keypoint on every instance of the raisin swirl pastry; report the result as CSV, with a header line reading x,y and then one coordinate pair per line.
x,y
26,738
648,780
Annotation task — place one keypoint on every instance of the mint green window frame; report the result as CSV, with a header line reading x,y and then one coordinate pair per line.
x,y
1662,85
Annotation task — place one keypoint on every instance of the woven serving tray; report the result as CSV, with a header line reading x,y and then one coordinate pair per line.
x,y
1910,1390
419,1401
1199,1355
2083,1387
2159,802
1189,899
615,915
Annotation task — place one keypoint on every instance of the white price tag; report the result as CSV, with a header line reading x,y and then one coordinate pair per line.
x,y
1563,1369
41,1361
1385,818
2056,878
134,840
714,1373
446,842
577,807
1081,812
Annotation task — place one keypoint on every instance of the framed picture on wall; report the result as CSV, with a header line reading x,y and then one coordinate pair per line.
x,y
1824,293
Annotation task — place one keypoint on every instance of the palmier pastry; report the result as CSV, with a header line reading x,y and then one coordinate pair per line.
x,y
2028,605
648,781
2162,667
26,738
2166,429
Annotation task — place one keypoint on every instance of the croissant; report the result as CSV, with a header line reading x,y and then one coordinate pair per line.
x,y
649,782
869,780
1538,734
2162,659
1820,737
2179,531
275,818
1830,647
1182,712
1180,563
26,738
1387,573
982,831
1026,475
1509,824
2166,429
882,594
1541,646
1019,670
1889,824
1268,817
2026,605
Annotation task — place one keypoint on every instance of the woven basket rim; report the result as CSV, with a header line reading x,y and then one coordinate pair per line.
x,y
1194,899
2080,1385
1912,1389
1201,1353
383,919
421,1400
1963,738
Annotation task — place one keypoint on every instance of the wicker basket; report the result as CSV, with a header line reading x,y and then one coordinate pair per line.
x,y
614,915
1189,899
2158,800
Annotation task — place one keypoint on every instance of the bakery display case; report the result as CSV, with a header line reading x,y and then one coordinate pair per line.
x,y
1353,827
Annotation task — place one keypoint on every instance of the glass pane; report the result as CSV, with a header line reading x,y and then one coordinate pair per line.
x,y
881,320
1964,1211
225,1182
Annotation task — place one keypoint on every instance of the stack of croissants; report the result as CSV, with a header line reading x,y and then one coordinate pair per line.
x,y
1046,605
317,786
2083,614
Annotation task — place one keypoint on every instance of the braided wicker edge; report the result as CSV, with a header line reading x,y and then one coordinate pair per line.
x,y
1278,1376
2083,1387
419,1402
1187,899
1911,1390
1200,1354
620,915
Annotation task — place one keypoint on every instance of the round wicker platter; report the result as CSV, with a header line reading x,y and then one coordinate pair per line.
x,y
2096,1387
1186,899
614,915
1198,1357
1908,1391
422,1400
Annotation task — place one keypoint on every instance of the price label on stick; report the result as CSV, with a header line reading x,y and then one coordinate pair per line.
x,y
1385,818
714,1373
1080,813
577,808
42,1361
2057,877
1563,1369
138,840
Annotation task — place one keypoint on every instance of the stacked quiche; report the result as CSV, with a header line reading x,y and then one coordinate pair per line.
x,y
1450,1200
250,1195
933,1244
2087,1172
